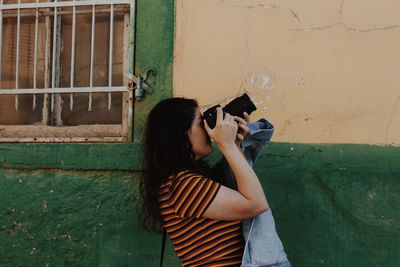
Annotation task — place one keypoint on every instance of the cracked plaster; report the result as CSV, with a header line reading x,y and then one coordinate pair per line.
x,y
345,51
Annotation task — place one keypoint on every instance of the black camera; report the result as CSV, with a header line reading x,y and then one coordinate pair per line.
x,y
236,108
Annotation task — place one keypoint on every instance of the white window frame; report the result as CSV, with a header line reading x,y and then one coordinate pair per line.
x,y
86,133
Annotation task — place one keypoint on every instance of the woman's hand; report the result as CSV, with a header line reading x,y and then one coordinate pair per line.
x,y
225,130
243,129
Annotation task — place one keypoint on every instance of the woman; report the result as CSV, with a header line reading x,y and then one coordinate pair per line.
x,y
201,216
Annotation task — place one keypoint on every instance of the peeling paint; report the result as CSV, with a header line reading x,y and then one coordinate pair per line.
x,y
371,195
266,81
301,80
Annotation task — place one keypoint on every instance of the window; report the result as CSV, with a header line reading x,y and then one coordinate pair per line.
x,y
63,70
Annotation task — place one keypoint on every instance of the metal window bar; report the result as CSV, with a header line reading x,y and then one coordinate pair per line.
x,y
65,4
17,56
71,96
110,57
91,55
99,10
53,90
1,39
35,57
53,65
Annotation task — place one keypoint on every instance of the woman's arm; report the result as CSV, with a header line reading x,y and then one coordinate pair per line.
x,y
249,200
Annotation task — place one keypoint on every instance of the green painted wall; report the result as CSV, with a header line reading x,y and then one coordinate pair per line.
x,y
76,204
335,205
154,50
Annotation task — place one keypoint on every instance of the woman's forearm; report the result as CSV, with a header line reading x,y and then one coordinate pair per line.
x,y
247,181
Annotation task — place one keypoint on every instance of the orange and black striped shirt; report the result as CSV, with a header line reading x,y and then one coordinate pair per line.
x,y
198,241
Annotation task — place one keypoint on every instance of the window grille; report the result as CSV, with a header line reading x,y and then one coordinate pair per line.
x,y
53,56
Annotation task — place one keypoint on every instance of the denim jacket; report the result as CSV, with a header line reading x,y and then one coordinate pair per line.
x,y
263,246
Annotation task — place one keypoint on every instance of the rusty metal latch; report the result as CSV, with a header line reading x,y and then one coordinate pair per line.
x,y
139,83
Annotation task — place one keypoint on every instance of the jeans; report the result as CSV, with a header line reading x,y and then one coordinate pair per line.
x,y
282,264
263,247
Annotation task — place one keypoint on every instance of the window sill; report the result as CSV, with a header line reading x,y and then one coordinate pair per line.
x,y
88,156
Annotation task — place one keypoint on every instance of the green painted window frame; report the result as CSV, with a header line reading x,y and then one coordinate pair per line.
x,y
154,40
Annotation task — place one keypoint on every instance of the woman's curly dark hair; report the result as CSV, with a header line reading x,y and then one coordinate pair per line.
x,y
167,150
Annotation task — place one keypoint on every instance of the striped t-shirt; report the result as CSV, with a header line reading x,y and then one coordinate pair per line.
x,y
198,241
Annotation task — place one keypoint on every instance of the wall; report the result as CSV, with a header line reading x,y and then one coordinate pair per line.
x,y
75,204
324,72
334,205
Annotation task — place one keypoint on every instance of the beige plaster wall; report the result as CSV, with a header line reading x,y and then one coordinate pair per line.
x,y
321,71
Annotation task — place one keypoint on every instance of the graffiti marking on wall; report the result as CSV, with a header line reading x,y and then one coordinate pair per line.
x,y
301,80
267,82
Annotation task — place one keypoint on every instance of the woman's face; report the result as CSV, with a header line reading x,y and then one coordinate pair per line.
x,y
201,142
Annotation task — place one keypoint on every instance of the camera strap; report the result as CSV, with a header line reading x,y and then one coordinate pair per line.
x,y
164,236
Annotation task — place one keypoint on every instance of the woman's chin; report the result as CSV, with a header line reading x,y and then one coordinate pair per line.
x,y
211,150
208,152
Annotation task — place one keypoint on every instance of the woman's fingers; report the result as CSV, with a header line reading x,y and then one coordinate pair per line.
x,y
220,115
208,129
234,123
244,130
239,137
231,119
225,129
242,126
246,116
240,120
227,117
